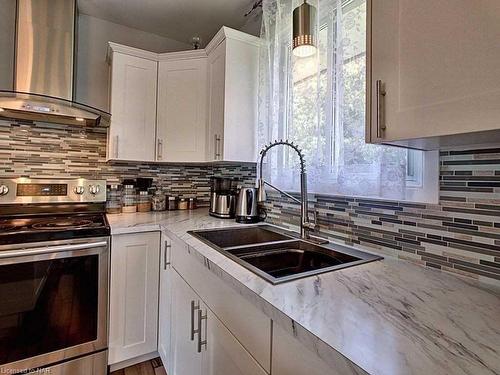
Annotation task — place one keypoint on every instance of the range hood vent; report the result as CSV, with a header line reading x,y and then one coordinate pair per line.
x,y
44,67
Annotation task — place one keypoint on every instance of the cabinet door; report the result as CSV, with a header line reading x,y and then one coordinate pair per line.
x,y
185,358
133,108
438,62
182,110
217,90
165,306
240,102
240,316
223,354
133,295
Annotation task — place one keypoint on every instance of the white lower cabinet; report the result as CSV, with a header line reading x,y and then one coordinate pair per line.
x,y
241,317
134,282
163,299
224,354
165,306
291,357
185,303
201,344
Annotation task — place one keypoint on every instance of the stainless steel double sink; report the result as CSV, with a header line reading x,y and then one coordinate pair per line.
x,y
277,255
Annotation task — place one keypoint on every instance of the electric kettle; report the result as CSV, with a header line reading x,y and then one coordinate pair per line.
x,y
247,210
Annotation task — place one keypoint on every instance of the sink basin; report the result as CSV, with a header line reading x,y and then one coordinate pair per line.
x,y
277,256
297,257
240,236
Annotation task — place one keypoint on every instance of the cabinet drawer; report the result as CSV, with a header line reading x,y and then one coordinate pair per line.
x,y
248,324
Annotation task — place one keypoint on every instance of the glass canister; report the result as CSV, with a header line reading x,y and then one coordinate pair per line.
x,y
171,203
113,199
159,201
144,202
183,204
193,203
129,199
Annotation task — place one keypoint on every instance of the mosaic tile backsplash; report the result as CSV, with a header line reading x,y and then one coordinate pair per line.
x,y
461,234
48,150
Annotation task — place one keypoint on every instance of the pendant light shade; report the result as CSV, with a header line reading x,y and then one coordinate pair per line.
x,y
304,30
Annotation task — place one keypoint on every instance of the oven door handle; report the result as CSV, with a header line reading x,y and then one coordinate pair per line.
x,y
51,249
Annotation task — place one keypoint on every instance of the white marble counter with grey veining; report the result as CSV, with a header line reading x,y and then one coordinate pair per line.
x,y
388,317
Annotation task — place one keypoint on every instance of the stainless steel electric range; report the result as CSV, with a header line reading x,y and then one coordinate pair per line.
x,y
54,254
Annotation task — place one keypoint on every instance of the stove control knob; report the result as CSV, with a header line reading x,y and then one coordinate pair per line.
x,y
79,190
94,189
4,190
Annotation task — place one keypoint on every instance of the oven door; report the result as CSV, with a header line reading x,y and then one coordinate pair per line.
x,y
53,302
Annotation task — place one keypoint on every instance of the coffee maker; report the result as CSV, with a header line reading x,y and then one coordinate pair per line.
x,y
223,197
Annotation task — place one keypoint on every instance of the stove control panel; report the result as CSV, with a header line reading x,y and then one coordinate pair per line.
x,y
25,190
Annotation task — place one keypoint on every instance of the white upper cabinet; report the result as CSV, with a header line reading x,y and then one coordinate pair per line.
x,y
182,107
131,135
190,106
437,68
233,67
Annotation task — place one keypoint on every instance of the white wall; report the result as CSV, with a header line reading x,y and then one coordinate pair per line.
x,y
92,78
253,23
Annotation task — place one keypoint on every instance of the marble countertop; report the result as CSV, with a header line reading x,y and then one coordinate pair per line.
x,y
387,317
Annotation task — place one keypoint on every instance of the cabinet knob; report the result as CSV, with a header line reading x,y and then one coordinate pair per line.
x,y
94,189
79,190
4,190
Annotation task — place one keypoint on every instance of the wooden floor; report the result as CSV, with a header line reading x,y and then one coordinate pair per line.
x,y
152,367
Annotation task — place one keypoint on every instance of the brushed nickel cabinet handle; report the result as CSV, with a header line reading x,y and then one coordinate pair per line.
x,y
380,98
165,255
217,147
160,149
202,317
194,307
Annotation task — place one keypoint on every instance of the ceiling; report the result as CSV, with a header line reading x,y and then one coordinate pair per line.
x,y
175,19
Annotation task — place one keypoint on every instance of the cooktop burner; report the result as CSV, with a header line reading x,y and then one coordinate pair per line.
x,y
52,227
62,224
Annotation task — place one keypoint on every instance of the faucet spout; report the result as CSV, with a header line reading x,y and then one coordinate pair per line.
x,y
305,224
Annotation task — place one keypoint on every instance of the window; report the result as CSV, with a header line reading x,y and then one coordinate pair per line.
x,y
323,111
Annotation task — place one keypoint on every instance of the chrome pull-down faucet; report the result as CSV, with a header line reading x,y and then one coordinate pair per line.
x,y
306,226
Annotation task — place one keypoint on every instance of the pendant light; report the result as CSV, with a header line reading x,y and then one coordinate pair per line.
x,y
304,30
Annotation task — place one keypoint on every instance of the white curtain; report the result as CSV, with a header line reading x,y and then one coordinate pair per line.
x,y
318,103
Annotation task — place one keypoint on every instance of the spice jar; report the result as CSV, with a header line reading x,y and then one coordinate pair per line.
x,y
158,202
129,199
192,204
171,203
114,199
183,204
144,202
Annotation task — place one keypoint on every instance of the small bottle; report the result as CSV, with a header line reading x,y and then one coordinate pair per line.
x,y
129,199
144,202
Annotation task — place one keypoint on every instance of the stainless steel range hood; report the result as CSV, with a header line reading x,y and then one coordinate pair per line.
x,y
44,69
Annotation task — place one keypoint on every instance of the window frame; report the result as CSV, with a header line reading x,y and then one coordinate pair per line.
x,y
424,168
